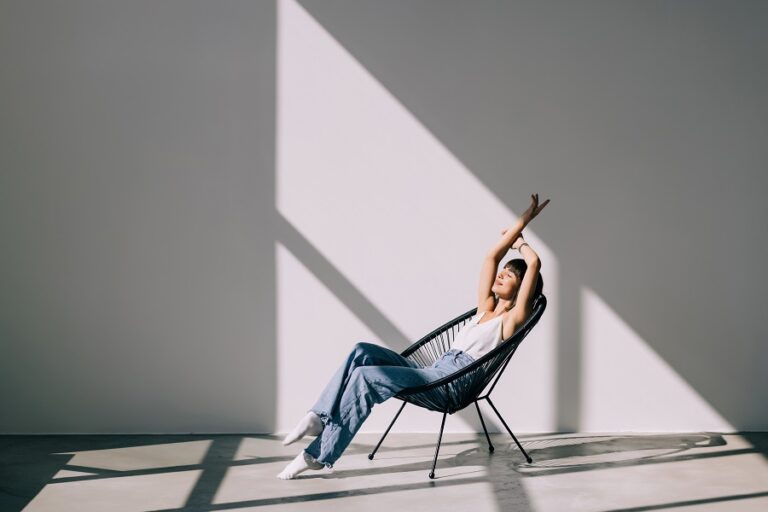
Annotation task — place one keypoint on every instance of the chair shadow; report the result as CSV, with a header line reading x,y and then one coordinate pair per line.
x,y
555,455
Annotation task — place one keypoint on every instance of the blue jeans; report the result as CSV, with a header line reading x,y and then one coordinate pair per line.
x,y
370,375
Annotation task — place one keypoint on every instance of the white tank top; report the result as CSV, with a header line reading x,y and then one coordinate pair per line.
x,y
478,339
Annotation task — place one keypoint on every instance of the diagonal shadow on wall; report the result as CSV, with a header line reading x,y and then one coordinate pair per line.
x,y
351,297
592,105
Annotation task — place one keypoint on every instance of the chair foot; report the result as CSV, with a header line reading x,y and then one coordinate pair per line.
x,y
437,450
527,457
490,446
370,455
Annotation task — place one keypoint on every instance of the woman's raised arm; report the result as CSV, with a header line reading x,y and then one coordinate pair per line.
x,y
491,265
524,302
510,235
497,252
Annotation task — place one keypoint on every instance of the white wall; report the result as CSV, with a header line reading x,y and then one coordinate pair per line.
x,y
138,270
203,208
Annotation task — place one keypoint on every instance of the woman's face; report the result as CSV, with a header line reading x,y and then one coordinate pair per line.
x,y
506,284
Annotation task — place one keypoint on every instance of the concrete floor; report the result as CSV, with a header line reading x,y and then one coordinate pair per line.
x,y
570,472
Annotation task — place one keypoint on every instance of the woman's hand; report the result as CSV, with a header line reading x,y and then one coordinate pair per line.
x,y
534,209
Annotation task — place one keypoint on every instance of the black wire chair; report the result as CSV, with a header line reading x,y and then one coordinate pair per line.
x,y
458,390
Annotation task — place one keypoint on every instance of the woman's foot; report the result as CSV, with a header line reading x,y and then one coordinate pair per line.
x,y
311,425
301,463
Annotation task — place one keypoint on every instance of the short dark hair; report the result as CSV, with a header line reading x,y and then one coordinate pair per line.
x,y
519,267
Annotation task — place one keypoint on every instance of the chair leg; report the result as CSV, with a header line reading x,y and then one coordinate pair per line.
x,y
508,430
440,437
370,455
490,446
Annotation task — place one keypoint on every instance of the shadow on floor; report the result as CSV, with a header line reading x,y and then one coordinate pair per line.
x,y
30,463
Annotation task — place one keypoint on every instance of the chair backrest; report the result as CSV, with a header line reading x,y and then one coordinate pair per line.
x,y
456,391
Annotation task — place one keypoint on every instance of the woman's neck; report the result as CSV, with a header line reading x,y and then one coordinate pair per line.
x,y
503,305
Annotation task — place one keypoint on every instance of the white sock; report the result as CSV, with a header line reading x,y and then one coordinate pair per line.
x,y
311,424
301,463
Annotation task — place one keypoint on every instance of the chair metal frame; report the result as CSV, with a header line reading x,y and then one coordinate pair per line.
x,y
458,390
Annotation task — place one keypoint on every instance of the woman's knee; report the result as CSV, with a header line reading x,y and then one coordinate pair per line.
x,y
364,374
372,384
363,347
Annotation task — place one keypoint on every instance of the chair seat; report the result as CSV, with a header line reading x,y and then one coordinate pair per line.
x,y
460,389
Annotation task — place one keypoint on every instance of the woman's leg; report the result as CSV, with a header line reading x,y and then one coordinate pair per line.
x,y
362,354
367,386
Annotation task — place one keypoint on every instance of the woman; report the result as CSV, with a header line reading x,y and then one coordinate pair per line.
x,y
372,374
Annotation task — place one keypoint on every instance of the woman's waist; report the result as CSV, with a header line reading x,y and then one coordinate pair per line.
x,y
457,353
